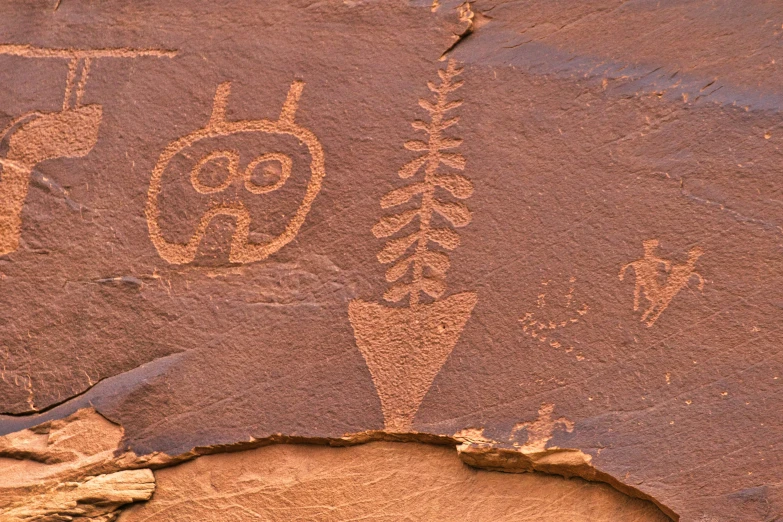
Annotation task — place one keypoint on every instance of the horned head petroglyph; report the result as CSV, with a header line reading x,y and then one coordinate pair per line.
x,y
276,165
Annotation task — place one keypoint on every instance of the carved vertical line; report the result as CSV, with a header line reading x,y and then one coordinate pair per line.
x,y
291,103
83,81
73,64
428,196
425,214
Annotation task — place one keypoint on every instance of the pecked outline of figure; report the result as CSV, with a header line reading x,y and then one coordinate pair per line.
x,y
38,136
660,295
33,138
241,250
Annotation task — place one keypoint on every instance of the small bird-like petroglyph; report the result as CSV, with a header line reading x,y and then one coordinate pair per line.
x,y
541,430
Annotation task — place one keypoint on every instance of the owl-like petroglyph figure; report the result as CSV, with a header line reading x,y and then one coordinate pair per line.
x,y
189,159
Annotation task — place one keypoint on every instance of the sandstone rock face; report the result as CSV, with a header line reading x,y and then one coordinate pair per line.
x,y
531,226
379,481
70,469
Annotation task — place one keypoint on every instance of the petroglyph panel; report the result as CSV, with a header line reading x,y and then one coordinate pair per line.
x,y
406,347
551,228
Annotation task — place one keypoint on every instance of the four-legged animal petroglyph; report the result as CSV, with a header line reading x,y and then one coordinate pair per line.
x,y
39,136
647,279
541,430
242,251
405,347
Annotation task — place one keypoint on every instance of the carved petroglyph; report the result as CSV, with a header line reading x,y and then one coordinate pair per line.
x,y
540,431
455,213
29,51
275,164
548,321
33,138
647,271
405,347
232,157
39,136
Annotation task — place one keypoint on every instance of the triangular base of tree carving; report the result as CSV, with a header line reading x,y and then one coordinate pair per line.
x,y
405,349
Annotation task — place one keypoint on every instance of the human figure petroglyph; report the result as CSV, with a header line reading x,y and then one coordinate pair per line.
x,y
647,271
242,251
39,136
406,346
541,430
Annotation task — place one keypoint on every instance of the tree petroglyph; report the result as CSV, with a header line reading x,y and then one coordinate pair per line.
x,y
648,282
406,346
39,136
277,164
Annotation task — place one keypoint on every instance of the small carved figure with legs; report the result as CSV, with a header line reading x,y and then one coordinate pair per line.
x,y
648,282
541,430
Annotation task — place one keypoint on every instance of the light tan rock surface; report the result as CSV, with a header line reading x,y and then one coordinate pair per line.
x,y
380,481
80,469
70,469
553,227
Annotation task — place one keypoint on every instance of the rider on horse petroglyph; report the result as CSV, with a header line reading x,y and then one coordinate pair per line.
x,y
647,280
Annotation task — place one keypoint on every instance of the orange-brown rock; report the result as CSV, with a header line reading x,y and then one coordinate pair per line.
x,y
552,229
383,481
76,469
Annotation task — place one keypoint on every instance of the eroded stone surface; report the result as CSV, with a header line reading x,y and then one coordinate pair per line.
x,y
76,467
619,229
70,469
379,480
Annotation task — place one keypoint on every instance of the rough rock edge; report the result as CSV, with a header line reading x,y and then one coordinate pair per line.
x,y
101,484
565,462
98,498
77,471
554,461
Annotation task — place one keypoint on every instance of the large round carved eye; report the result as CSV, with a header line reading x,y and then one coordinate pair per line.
x,y
231,160
275,165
